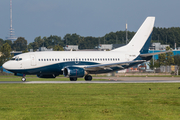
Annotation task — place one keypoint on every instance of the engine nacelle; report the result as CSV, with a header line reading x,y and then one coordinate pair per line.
x,y
73,72
46,76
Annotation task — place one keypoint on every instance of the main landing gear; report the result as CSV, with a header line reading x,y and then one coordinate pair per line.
x,y
73,78
88,77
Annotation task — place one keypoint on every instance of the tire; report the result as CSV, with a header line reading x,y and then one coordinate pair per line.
x,y
88,77
23,79
73,78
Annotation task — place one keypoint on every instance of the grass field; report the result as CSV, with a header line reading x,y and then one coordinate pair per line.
x,y
62,78
90,101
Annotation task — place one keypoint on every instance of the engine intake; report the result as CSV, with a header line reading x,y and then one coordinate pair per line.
x,y
73,72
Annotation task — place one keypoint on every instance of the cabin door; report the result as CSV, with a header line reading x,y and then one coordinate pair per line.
x,y
33,60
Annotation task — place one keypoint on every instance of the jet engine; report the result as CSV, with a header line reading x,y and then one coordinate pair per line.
x,y
73,72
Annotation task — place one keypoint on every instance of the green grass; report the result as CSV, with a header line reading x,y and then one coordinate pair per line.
x,y
62,78
90,101
34,78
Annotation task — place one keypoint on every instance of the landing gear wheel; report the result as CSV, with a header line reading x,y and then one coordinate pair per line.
x,y
23,79
88,77
73,78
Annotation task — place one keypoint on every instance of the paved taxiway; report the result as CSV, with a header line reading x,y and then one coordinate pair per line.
x,y
108,80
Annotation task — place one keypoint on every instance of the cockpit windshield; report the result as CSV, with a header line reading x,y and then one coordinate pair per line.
x,y
13,59
16,59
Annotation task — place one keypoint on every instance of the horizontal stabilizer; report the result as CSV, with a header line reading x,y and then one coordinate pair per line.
x,y
151,54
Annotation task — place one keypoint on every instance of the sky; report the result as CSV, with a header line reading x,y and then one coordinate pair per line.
x,y
33,18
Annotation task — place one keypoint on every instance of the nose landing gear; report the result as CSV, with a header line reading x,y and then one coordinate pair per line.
x,y
23,78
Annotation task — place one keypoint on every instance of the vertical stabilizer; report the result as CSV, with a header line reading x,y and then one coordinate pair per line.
x,y
141,40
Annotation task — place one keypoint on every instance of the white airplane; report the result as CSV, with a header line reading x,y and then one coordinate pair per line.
x,y
76,64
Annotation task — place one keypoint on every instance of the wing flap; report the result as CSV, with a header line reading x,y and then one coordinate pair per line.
x,y
110,66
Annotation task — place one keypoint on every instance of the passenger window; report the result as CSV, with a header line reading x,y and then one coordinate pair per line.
x,y
47,59
39,59
52,59
44,59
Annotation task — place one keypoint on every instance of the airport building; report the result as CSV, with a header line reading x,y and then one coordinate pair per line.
x,y
71,48
157,47
103,47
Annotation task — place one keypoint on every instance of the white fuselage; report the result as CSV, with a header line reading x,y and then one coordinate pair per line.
x,y
33,60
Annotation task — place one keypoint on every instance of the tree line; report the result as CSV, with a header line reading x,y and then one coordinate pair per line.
x,y
162,35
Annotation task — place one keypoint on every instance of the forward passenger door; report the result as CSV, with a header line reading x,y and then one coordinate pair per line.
x,y
33,60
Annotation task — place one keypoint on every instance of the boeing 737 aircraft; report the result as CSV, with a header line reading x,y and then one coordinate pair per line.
x,y
76,64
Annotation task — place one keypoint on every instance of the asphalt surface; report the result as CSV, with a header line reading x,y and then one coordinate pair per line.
x,y
107,80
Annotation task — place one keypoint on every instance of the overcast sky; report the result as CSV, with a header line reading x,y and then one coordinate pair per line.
x,y
33,18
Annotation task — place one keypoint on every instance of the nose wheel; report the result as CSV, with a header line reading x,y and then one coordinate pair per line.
x,y
23,79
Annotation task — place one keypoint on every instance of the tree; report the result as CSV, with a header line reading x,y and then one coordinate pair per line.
x,y
153,65
58,48
6,55
177,60
20,44
1,42
169,57
162,59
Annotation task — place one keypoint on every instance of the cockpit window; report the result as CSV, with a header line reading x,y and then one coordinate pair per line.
x,y
13,59
17,59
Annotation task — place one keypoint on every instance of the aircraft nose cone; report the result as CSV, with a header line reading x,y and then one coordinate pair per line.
x,y
5,66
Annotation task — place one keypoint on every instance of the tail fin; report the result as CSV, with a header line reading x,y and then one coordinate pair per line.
x,y
141,40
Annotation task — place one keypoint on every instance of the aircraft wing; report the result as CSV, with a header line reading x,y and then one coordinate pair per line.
x,y
151,54
110,66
